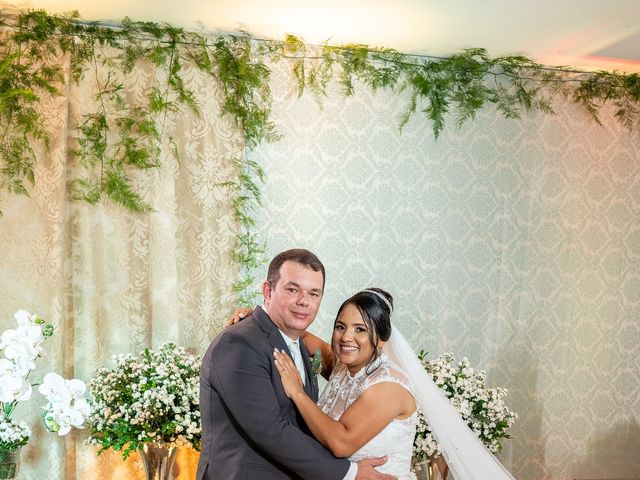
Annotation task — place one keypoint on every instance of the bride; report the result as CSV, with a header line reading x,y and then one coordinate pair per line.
x,y
368,408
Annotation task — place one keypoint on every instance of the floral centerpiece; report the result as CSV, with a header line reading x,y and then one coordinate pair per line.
x,y
148,399
65,406
482,408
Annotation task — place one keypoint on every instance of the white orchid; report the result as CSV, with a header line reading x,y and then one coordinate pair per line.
x,y
12,386
77,388
60,417
66,406
25,318
55,388
22,345
7,368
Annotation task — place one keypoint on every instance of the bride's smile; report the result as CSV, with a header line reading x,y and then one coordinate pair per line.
x,y
352,340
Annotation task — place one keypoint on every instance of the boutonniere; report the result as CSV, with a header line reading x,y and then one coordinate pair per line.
x,y
316,365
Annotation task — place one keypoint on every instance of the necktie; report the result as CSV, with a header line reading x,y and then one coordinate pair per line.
x,y
294,348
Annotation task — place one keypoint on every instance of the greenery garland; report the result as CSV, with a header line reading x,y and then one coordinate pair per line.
x,y
465,82
121,137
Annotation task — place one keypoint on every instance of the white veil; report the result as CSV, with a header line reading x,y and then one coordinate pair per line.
x,y
466,455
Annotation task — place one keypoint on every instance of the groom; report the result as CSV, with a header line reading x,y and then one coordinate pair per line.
x,y
250,429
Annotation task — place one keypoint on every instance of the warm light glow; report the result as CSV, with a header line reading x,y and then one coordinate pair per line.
x,y
373,22
580,48
594,62
552,33
370,22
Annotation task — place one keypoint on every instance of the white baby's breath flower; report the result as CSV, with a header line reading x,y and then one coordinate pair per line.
x,y
151,392
482,408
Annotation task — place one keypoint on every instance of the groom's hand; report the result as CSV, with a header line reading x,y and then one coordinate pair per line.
x,y
366,470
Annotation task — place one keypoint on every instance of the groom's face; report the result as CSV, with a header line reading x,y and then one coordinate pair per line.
x,y
293,302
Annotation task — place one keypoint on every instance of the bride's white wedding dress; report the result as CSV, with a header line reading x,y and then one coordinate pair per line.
x,y
396,439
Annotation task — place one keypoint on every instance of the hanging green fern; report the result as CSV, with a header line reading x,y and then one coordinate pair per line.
x,y
25,77
244,79
463,83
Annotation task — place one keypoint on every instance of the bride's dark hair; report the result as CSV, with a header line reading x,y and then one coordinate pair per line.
x,y
375,312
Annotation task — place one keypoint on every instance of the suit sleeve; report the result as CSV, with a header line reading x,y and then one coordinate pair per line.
x,y
244,382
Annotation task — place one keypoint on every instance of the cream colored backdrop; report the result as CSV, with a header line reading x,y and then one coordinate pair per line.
x,y
515,243
113,281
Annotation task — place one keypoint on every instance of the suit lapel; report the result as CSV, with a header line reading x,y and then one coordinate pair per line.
x,y
275,339
273,334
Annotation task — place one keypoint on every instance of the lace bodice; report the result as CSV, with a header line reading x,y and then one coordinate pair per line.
x,y
396,439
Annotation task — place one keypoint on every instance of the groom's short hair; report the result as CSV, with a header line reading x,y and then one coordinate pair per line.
x,y
297,255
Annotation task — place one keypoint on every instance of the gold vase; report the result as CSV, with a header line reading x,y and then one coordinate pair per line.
x,y
158,460
9,463
432,468
423,470
439,468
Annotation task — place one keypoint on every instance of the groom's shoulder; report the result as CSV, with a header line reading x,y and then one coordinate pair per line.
x,y
247,330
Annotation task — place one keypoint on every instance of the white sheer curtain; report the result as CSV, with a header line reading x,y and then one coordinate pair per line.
x,y
112,281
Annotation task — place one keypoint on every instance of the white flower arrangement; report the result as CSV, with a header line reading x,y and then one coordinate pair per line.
x,y
482,408
66,406
153,398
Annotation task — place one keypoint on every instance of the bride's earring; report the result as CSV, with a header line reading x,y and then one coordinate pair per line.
x,y
372,366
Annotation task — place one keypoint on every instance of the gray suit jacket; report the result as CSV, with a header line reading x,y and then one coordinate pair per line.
x,y
250,429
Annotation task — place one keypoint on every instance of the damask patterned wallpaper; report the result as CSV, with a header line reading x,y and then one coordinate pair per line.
x,y
515,243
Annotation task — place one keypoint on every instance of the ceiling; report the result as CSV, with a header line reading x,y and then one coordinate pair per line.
x,y
588,34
